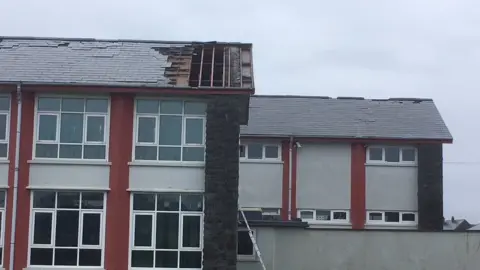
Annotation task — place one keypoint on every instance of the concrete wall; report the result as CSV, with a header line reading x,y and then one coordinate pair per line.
x,y
323,176
260,184
167,178
308,249
391,187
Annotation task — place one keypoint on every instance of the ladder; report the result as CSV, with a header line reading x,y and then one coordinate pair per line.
x,y
254,242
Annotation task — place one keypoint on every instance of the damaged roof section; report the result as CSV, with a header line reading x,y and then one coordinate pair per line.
x,y
126,63
348,118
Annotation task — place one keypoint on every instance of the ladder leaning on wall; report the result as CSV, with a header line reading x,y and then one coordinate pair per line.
x,y
252,238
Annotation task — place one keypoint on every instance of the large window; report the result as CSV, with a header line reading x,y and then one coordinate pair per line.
x,y
167,231
245,249
67,228
2,224
260,151
4,125
170,130
71,128
391,218
392,155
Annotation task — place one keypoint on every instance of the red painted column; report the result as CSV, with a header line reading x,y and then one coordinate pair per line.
x,y
358,187
23,199
294,182
118,199
285,180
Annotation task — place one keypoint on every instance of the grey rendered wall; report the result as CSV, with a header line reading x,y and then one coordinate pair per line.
x,y
4,174
307,249
260,184
391,188
167,178
266,243
323,176
66,176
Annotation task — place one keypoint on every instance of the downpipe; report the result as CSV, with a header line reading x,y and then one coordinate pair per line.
x,y
290,174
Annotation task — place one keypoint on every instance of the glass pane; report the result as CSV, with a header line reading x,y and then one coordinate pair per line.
x,y
3,150
48,104
3,126
67,228
41,256
143,231
255,151
306,214
271,151
194,131
193,154
145,153
42,231
73,104
323,215
408,217
191,231
142,258
65,256
68,200
94,151
92,200
169,153
392,154
4,105
408,154
192,203
244,245
375,216
242,150
146,129
71,128
167,231
191,259
392,217
168,259
95,129
339,215
70,151
171,107
198,108
43,199
144,202
375,153
91,229
97,105
2,199
46,150
90,257
147,106
47,127
170,130
168,202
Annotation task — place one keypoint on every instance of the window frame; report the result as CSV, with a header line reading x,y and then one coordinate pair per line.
x,y
80,245
153,213
242,257
85,114
8,114
156,142
401,222
384,162
264,146
3,223
331,221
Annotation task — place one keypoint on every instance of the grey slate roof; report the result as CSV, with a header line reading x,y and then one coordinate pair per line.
x,y
305,116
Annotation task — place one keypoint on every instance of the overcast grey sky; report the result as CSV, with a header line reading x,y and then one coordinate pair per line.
x,y
374,49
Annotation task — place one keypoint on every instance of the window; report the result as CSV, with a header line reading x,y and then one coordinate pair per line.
x,y
167,230
67,228
2,224
71,128
245,250
259,151
392,155
324,216
391,217
4,125
170,130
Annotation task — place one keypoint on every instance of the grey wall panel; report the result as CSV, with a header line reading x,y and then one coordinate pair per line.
x,y
166,178
260,184
76,176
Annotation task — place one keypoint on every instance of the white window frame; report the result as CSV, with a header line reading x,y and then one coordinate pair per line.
x,y
7,113
264,146
80,245
331,221
400,216
2,231
244,257
156,142
153,213
106,133
384,162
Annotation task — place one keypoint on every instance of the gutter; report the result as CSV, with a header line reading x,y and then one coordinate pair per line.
x,y
15,181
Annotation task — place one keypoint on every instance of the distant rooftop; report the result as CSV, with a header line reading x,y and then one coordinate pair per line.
x,y
136,63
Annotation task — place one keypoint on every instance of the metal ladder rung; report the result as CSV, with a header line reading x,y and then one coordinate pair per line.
x,y
254,242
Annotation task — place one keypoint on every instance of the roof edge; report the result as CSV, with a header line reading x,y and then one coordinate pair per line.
x,y
345,98
347,139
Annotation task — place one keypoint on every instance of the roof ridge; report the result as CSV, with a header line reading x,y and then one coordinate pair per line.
x,y
343,98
